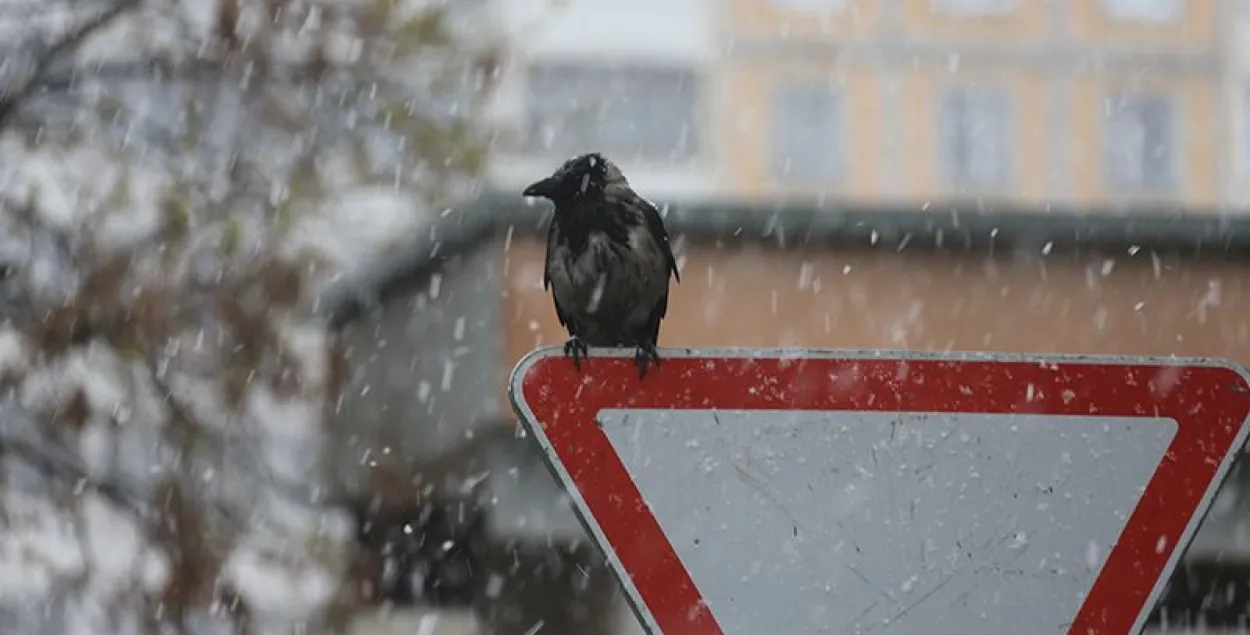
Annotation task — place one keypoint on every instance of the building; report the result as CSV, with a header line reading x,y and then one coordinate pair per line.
x,y
915,101
927,100
429,341
918,174
1237,101
636,80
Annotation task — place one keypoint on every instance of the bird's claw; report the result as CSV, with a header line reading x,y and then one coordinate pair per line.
x,y
644,358
577,349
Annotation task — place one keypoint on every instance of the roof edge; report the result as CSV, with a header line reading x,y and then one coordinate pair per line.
x,y
956,226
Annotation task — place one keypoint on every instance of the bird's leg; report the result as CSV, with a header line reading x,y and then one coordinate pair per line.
x,y
644,356
577,349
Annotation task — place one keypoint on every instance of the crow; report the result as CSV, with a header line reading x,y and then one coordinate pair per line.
x,y
608,260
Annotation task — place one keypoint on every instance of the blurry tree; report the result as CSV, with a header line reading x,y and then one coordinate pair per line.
x,y
178,181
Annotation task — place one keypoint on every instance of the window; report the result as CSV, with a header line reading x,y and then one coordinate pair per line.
x,y
636,112
1245,129
805,140
972,7
1140,142
829,5
974,127
1144,10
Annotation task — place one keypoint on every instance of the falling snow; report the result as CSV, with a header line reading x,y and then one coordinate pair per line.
x,y
264,268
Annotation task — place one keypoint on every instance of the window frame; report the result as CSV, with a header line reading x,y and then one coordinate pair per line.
x,y
1243,121
605,76
775,167
1173,168
964,8
808,5
1116,10
956,176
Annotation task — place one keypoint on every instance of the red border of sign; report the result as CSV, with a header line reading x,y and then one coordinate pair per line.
x,y
1209,400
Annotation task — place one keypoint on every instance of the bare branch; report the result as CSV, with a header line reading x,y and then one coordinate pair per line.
x,y
187,426
64,465
200,70
67,44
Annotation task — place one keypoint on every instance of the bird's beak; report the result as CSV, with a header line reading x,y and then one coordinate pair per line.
x,y
543,188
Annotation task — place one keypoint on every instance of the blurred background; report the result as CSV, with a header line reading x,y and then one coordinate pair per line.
x,y
266,266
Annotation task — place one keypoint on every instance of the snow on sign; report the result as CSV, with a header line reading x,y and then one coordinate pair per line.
x,y
756,491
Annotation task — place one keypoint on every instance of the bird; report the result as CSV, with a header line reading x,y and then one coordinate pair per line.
x,y
609,260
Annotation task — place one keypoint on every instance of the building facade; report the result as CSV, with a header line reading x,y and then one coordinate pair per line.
x,y
949,106
635,80
1102,102
1099,102
428,364
1237,101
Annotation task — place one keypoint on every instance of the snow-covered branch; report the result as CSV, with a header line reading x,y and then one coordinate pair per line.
x,y
66,44
177,182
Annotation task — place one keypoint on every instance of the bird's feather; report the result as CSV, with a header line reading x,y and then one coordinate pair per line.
x,y
655,224
609,256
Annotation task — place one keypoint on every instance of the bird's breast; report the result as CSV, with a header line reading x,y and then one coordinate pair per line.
x,y
582,279
579,268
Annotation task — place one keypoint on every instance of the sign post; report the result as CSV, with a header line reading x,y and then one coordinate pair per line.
x,y
743,491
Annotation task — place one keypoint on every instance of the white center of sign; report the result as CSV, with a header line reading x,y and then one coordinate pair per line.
x,y
854,522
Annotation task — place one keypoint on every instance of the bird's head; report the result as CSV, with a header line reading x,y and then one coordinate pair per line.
x,y
584,175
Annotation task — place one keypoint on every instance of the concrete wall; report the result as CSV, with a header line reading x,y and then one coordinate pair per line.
x,y
421,413
421,401
904,296
421,374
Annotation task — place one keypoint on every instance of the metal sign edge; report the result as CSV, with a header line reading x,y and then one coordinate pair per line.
x,y
632,595
799,353
1204,504
580,509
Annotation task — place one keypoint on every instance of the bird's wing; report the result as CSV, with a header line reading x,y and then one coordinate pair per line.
x,y
655,225
564,321
652,328
551,240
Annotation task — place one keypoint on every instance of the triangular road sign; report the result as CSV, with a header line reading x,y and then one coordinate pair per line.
x,y
798,491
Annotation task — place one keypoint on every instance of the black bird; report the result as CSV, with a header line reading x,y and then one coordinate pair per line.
x,y
608,260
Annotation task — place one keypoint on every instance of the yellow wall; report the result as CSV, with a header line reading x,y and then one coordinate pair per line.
x,y
1090,26
760,18
913,118
1084,20
1197,128
921,156
1027,22
751,86
837,298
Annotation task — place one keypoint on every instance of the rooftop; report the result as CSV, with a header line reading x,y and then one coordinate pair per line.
x,y
951,227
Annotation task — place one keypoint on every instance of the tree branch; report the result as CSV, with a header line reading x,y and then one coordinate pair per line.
x,y
187,428
67,44
60,464
209,69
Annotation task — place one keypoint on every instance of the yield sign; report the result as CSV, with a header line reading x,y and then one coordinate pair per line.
x,y
748,491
